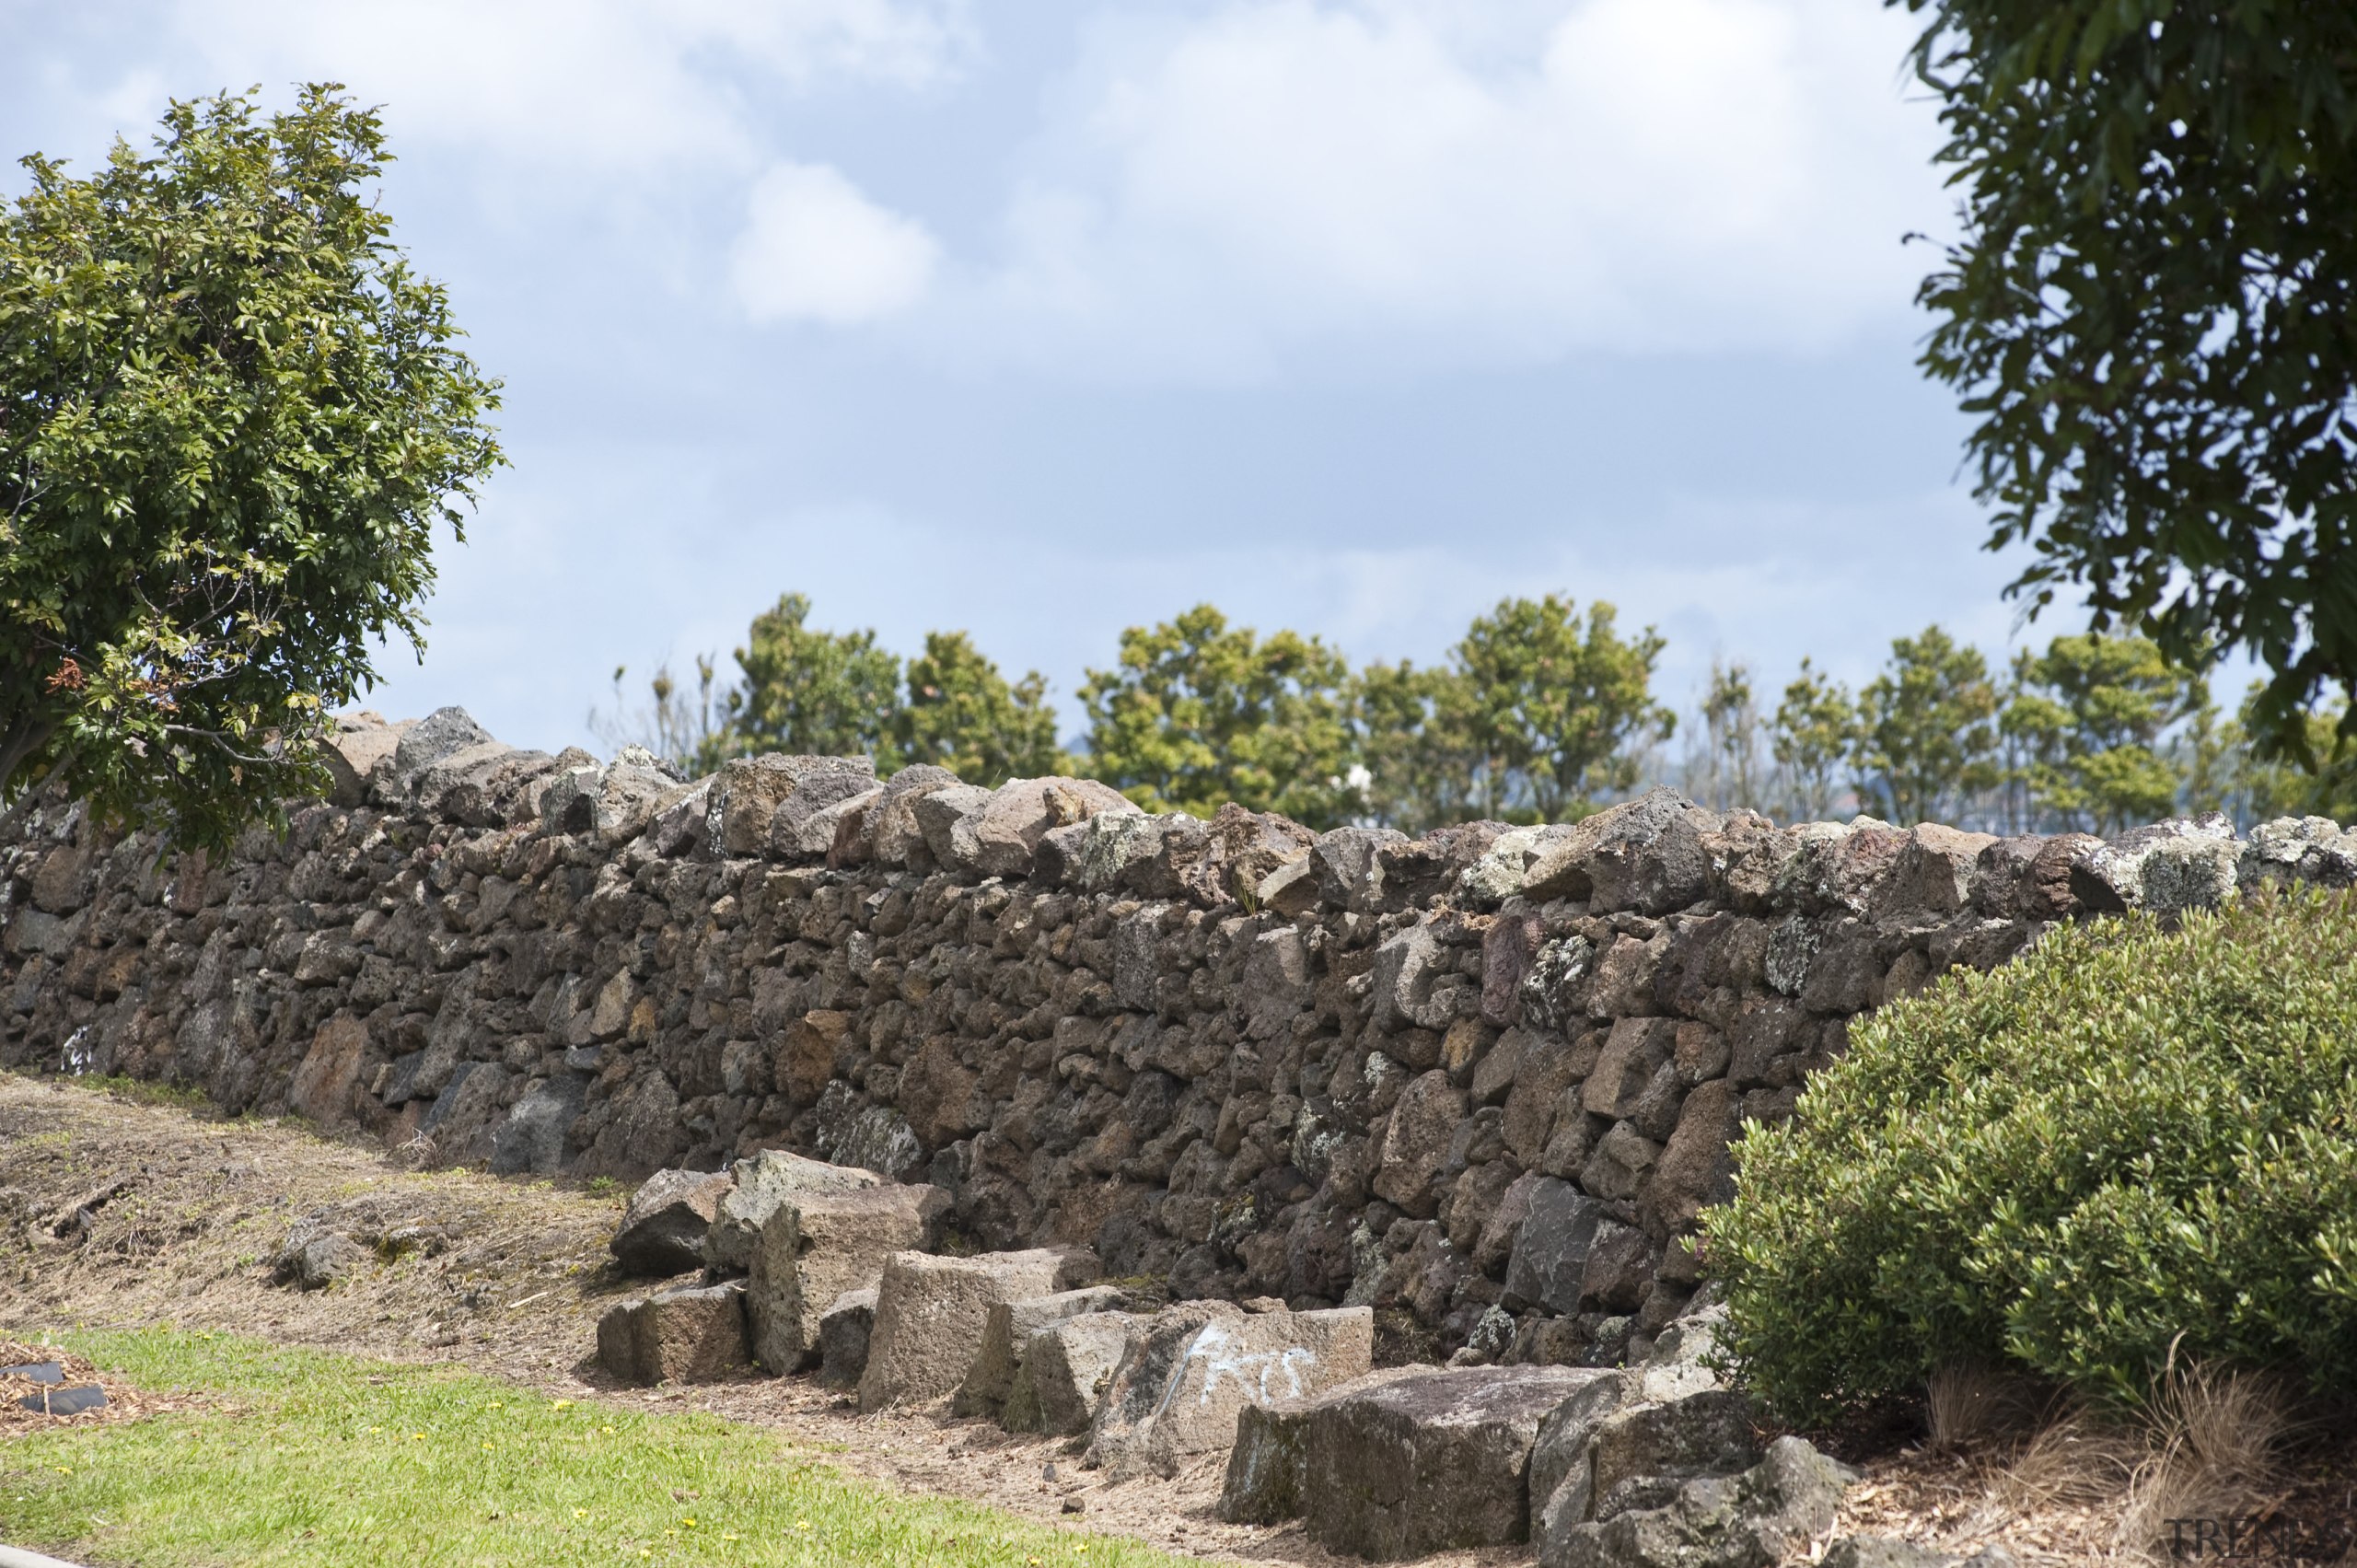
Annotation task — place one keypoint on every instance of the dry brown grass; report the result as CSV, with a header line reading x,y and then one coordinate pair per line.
x,y
2215,1444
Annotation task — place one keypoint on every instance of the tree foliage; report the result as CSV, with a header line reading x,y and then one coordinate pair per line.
x,y
812,692
230,416
963,715
2089,714
1548,709
2149,314
1814,730
1927,731
1198,713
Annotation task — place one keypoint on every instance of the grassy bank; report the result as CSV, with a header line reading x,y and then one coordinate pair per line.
x,y
300,1457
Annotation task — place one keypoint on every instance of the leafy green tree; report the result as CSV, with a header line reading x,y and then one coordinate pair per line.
x,y
961,715
2148,314
2261,787
1927,737
1724,770
1813,737
1198,714
2090,713
230,416
1551,711
812,692
1415,779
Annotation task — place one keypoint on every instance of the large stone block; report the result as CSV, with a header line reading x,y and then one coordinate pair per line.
x,y
1065,1369
762,1183
692,1334
1643,1451
1431,1463
930,1313
746,795
1179,1386
1007,1331
1767,1515
663,1226
813,1248
1268,1470
843,1331
1009,825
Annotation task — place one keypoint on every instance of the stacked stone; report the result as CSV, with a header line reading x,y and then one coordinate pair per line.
x,y
1479,1081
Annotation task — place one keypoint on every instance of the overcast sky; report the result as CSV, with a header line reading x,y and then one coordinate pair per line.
x,y
1043,320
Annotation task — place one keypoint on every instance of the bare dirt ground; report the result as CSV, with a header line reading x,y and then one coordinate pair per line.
x,y
119,1210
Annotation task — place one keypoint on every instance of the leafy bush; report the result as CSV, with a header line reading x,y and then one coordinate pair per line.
x,y
2130,1142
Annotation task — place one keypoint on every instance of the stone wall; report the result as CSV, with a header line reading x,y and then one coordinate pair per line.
x,y
1481,1080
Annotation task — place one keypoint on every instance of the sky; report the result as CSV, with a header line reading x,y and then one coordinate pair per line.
x,y
1045,320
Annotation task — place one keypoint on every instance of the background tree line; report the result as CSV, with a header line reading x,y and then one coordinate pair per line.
x,y
1540,713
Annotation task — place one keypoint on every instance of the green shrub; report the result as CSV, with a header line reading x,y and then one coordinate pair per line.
x,y
2127,1142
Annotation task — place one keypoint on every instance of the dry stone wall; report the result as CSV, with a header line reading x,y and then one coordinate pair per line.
x,y
1482,1081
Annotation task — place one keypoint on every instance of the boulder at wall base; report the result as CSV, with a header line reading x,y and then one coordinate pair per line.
x,y
815,1246
762,1183
1181,1384
692,1334
843,1330
930,1313
1431,1463
1065,1368
1754,1520
1268,1468
1641,1451
1006,1336
663,1226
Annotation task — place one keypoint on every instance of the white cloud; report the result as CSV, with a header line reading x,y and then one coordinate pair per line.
x,y
815,249
603,88
1636,175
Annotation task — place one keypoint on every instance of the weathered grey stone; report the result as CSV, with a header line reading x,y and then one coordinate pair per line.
x,y
1641,1447
1562,1459
357,744
2169,866
1179,1386
802,826
1268,1468
950,818
815,1246
663,1226
1416,1142
1008,1330
1018,813
746,794
1430,1463
440,734
330,1071
1754,1520
538,1127
1346,862
889,831
1646,854
1064,1371
930,1313
843,1330
1550,1251
691,1334
314,1259
757,1186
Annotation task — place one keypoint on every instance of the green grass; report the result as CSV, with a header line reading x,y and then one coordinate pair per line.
x,y
303,1458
